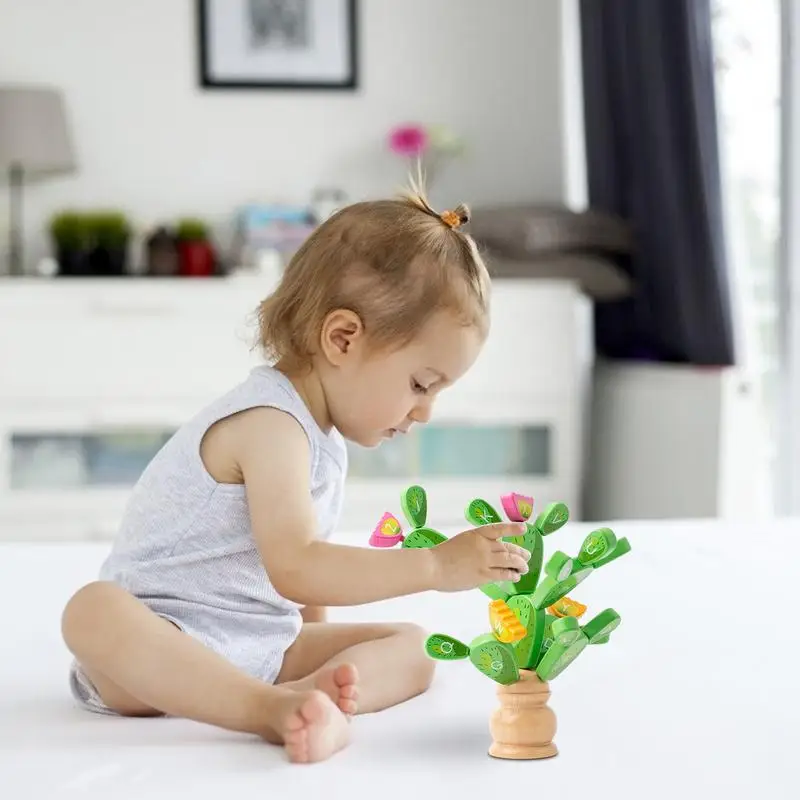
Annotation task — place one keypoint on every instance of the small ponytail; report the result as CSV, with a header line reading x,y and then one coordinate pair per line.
x,y
416,197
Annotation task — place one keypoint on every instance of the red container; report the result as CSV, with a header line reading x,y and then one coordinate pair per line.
x,y
196,259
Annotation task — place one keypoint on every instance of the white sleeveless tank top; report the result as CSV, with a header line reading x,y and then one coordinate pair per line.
x,y
185,546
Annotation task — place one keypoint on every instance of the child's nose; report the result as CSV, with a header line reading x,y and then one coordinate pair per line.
x,y
421,413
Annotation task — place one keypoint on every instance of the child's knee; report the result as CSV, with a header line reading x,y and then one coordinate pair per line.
x,y
422,665
82,608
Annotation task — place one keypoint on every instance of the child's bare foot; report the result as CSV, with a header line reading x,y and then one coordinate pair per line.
x,y
312,727
340,683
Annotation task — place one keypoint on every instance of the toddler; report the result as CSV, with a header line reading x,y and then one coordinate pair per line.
x,y
211,604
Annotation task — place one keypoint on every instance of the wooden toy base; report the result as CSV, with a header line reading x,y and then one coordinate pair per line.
x,y
524,726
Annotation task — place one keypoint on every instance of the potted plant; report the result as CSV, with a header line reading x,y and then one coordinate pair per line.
x,y
71,237
196,253
111,233
536,631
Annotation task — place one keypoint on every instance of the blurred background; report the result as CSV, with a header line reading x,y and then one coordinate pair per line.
x,y
632,174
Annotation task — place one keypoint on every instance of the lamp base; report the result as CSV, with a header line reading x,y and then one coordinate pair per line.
x,y
16,259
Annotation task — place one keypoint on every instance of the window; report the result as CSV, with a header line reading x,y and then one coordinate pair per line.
x,y
747,42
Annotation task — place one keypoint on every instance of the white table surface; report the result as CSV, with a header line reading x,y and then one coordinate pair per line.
x,y
695,696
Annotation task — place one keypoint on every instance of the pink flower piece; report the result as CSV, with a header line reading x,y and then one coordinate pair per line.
x,y
518,507
388,532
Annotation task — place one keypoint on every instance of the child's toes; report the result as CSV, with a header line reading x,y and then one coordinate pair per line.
x,y
345,675
349,707
297,753
295,739
349,692
314,708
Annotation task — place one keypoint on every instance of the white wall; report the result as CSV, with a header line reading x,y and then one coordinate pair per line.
x,y
151,141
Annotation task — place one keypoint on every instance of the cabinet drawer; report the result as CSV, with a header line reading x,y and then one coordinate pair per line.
x,y
151,340
100,358
125,348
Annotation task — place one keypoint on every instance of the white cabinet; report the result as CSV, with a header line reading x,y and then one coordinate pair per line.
x,y
95,375
675,442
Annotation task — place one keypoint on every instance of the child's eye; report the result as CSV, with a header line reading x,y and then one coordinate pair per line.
x,y
418,387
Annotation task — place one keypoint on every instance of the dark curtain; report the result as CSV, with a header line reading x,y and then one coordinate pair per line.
x,y
652,157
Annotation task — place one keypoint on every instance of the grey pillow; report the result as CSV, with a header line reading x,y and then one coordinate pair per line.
x,y
597,277
522,231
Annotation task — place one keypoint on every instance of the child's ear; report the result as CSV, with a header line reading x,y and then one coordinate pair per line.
x,y
342,329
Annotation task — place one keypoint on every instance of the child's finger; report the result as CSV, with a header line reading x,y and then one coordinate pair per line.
x,y
510,547
507,560
505,575
497,530
517,550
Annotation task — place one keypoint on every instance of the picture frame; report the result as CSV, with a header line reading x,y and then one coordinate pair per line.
x,y
278,44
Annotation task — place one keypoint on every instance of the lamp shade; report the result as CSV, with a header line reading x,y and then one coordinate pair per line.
x,y
34,133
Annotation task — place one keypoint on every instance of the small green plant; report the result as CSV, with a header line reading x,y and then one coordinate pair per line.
x,y
535,626
192,229
71,231
110,229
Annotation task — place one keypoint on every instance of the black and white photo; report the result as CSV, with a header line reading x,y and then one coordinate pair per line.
x,y
278,44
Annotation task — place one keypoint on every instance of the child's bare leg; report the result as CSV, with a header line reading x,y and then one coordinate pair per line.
x,y
141,664
364,668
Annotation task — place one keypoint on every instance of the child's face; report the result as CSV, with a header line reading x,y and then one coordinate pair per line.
x,y
376,396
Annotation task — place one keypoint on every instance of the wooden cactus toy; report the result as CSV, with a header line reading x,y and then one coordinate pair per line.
x,y
534,620
536,631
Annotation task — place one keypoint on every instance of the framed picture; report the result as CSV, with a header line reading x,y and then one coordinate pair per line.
x,y
277,44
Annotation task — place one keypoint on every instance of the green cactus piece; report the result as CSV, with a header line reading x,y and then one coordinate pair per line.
x,y
423,537
414,502
599,629
479,512
494,659
501,590
554,516
559,656
559,566
442,647
596,546
550,591
527,649
622,547
566,631
547,641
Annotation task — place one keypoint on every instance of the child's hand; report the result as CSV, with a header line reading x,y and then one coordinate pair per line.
x,y
475,557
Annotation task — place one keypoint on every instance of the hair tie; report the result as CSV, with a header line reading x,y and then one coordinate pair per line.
x,y
450,218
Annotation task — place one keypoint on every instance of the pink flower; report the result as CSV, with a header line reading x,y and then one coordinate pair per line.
x,y
408,140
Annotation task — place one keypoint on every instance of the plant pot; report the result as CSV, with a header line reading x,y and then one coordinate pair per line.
x,y
73,262
109,260
196,259
524,726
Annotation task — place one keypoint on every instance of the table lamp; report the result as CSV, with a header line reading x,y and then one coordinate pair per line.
x,y
34,143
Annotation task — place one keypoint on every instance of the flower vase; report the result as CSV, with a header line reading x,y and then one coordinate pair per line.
x,y
524,725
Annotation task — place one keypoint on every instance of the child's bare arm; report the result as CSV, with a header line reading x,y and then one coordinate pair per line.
x,y
314,614
317,573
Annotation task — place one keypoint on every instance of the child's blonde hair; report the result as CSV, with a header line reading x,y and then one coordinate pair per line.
x,y
392,262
